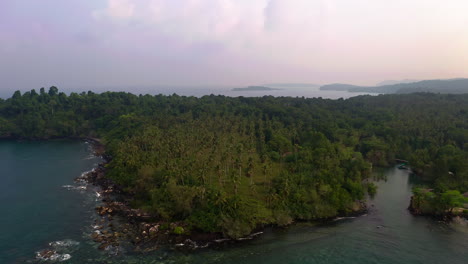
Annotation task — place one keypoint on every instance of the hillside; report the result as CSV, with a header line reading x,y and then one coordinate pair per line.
x,y
452,86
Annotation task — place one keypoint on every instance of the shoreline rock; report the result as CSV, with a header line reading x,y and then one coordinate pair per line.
x,y
58,251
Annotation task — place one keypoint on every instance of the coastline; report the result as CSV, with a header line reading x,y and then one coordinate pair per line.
x,y
304,235
120,225
447,216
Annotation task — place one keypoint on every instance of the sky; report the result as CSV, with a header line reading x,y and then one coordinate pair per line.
x,y
94,43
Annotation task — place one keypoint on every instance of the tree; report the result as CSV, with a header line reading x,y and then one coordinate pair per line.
x,y
451,199
417,196
53,91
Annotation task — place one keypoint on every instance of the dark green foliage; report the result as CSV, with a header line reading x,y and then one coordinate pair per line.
x,y
178,230
371,189
221,164
437,201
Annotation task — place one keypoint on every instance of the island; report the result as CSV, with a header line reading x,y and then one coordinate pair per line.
x,y
219,167
449,86
254,88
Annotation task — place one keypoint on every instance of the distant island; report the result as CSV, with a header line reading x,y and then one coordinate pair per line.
x,y
392,82
450,86
254,88
340,87
293,85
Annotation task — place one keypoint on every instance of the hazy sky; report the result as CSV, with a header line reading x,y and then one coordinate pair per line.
x,y
229,42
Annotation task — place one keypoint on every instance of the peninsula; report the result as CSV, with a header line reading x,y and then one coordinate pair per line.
x,y
229,166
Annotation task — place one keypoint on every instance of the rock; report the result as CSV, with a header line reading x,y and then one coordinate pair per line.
x,y
103,246
45,254
52,255
94,236
154,229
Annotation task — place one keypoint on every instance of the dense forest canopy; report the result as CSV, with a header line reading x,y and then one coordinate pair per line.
x,y
223,164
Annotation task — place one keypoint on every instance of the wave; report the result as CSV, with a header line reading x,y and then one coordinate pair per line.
x,y
77,188
61,244
89,157
50,255
343,218
59,251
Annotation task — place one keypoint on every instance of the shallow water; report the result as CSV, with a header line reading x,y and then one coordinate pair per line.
x,y
37,210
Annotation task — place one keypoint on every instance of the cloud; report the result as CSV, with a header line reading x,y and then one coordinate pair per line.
x,y
233,41
118,9
261,29
220,19
295,14
305,35
195,20
192,20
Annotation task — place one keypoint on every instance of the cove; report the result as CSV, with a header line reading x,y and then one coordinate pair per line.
x,y
37,210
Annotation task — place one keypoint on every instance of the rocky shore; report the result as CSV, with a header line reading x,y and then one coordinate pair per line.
x,y
120,227
57,251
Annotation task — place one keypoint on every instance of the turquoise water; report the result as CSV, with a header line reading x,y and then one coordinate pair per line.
x,y
36,210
